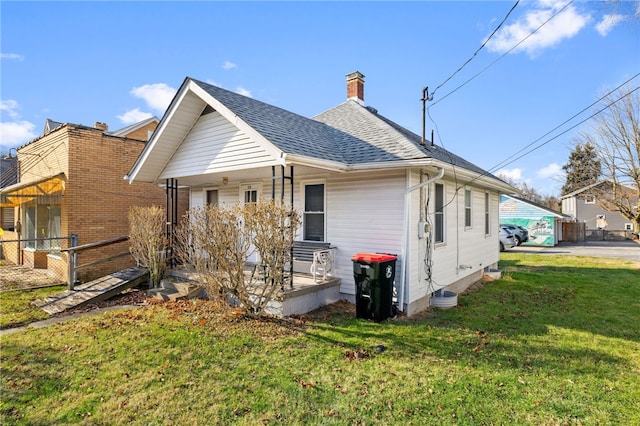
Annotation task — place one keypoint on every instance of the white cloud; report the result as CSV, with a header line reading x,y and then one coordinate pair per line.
x,y
563,26
228,65
134,116
13,56
16,132
9,107
158,96
550,171
242,91
515,174
608,23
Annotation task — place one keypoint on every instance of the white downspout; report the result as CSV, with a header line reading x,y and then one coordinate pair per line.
x,y
405,248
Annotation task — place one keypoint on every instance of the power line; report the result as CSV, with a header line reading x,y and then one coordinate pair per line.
x,y
501,56
506,160
479,49
502,164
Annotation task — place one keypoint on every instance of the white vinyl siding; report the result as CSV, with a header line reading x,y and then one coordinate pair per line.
x,y
364,215
215,145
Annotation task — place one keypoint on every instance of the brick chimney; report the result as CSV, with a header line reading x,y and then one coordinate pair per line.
x,y
102,126
355,86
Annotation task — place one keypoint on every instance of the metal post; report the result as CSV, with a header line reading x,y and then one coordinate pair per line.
x,y
273,182
292,230
72,261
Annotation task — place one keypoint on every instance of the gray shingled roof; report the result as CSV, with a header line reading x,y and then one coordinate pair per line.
x,y
349,133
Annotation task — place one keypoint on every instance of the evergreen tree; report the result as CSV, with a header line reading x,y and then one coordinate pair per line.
x,y
583,168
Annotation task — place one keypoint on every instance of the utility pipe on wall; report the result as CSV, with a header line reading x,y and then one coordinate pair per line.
x,y
405,249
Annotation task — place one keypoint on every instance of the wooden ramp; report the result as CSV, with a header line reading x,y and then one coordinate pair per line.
x,y
94,291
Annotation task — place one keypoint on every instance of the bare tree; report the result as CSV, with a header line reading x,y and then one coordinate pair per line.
x,y
532,194
218,243
147,240
616,135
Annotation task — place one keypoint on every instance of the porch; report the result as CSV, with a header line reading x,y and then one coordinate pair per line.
x,y
305,294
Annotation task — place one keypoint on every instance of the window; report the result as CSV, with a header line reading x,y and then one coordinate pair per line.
x,y
250,196
212,197
42,223
313,219
249,193
487,218
439,214
467,208
590,199
628,226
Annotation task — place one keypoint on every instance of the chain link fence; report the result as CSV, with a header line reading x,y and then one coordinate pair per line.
x,y
26,263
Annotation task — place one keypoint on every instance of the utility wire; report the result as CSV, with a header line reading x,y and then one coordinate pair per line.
x,y
506,160
499,58
479,49
558,135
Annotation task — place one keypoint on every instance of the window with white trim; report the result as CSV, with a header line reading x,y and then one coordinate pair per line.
x,y
467,208
628,226
211,197
487,217
250,192
314,212
438,231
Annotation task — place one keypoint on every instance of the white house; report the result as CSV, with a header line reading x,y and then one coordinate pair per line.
x,y
362,182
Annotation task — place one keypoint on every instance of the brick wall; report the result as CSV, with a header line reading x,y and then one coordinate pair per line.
x,y
96,199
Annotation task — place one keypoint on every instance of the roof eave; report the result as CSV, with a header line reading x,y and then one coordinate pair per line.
x,y
133,173
301,160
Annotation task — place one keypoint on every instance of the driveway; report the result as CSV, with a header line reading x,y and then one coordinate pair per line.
x,y
626,249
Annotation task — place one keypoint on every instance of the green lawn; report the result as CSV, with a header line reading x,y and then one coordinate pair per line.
x,y
555,342
16,308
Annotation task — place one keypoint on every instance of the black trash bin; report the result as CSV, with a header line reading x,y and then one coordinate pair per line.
x,y
374,274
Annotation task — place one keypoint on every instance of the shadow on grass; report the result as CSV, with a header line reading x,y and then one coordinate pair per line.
x,y
550,318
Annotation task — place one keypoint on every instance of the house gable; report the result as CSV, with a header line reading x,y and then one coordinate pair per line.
x,y
191,103
215,145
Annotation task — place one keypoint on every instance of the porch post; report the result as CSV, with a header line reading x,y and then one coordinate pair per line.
x,y
291,195
273,182
171,222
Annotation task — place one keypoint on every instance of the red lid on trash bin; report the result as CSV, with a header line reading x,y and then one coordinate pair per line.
x,y
373,257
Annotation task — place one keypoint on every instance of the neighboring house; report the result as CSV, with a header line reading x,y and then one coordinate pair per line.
x,y
544,225
362,183
583,207
8,176
70,182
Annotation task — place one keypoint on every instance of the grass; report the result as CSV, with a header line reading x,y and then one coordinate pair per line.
x,y
16,308
557,342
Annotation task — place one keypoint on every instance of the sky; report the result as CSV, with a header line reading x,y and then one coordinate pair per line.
x,y
509,95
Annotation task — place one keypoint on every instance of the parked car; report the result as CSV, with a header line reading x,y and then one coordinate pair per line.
x,y
507,239
521,233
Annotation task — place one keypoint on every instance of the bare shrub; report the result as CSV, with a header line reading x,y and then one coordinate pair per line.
x,y
148,241
218,242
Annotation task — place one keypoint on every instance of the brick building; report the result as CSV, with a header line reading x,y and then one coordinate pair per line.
x,y
71,181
